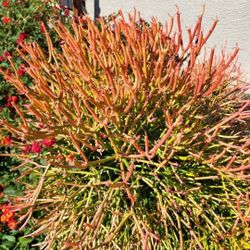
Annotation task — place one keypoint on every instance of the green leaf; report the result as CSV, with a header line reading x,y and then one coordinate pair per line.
x,y
9,238
11,190
15,232
24,241
3,247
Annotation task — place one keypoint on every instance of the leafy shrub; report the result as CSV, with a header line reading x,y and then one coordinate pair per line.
x,y
19,22
132,140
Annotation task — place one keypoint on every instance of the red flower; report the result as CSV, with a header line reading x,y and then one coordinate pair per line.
x,y
18,41
7,105
6,140
5,20
11,224
40,125
71,158
21,37
2,58
7,216
5,4
11,99
3,218
49,142
36,148
27,149
14,98
66,12
103,136
21,71
8,73
6,54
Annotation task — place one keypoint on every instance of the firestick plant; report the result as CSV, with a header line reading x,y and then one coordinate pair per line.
x,y
146,142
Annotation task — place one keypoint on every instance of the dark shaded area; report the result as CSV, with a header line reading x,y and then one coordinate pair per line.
x,y
78,6
97,9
